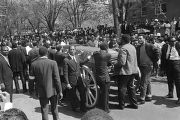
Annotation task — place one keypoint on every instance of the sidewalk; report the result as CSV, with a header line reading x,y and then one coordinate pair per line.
x,y
159,108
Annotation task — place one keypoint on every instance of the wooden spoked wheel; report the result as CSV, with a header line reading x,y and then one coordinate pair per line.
x,y
91,86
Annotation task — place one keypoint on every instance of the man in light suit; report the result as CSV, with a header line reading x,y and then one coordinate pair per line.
x,y
125,69
6,74
73,79
46,75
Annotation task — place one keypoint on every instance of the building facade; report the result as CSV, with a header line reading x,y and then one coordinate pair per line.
x,y
151,9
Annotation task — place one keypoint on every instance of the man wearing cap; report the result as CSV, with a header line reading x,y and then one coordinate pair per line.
x,y
170,63
102,61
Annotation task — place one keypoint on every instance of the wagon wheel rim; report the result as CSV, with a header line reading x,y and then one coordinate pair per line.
x,y
91,87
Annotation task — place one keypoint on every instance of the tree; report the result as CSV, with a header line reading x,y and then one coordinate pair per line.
x,y
47,11
75,11
120,12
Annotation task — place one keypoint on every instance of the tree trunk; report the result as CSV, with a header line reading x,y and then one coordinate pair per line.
x,y
115,15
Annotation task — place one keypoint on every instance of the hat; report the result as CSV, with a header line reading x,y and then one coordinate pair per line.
x,y
103,46
158,35
172,39
156,20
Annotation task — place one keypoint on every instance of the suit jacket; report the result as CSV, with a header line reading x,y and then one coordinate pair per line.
x,y
59,58
6,75
51,54
127,61
102,60
17,60
72,69
46,76
152,52
126,30
177,27
164,49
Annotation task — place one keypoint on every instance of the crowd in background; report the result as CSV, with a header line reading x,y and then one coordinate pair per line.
x,y
158,35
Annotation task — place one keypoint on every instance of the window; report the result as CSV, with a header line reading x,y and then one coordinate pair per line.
x,y
163,8
143,11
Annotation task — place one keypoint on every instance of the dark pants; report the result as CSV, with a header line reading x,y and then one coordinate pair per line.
x,y
45,107
9,89
145,83
103,102
15,77
126,82
173,76
82,92
32,86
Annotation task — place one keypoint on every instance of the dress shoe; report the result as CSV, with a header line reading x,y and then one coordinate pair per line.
x,y
169,96
60,103
178,102
25,91
107,111
132,106
140,101
17,91
148,99
121,107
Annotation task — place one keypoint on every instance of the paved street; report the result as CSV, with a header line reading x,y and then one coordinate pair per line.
x,y
159,109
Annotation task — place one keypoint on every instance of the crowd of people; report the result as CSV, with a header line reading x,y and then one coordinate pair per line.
x,y
51,70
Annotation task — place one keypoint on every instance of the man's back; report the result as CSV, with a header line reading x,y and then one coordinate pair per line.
x,y
128,59
102,59
17,60
34,53
46,76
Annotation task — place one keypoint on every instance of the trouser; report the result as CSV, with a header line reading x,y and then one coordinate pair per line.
x,y
82,92
45,107
15,76
173,76
126,82
9,89
32,86
145,84
103,102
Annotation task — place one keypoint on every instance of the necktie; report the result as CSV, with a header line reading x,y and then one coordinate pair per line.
x,y
169,53
74,58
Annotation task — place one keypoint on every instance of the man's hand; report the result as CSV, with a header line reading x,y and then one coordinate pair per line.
x,y
2,86
69,86
89,57
60,96
4,96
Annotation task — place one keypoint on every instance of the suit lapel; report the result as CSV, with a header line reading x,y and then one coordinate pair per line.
x,y
72,63
5,60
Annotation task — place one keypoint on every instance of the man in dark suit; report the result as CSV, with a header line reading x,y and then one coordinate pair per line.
x,y
102,60
126,28
6,74
33,55
45,72
177,27
147,54
59,58
170,63
73,79
17,61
